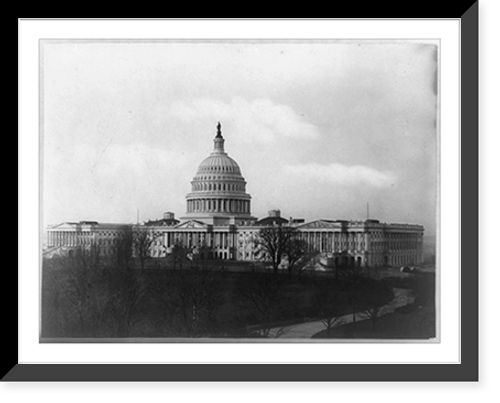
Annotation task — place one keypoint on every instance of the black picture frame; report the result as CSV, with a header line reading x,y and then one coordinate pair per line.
x,y
465,371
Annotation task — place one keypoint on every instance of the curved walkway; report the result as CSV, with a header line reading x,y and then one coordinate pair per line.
x,y
309,329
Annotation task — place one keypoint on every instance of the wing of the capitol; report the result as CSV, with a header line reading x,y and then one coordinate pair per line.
x,y
218,224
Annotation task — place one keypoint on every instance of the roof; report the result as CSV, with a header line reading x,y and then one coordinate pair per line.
x,y
271,221
163,221
219,163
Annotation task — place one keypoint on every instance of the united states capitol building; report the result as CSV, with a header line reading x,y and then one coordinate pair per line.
x,y
219,224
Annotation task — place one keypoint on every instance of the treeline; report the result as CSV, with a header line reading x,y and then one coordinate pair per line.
x,y
85,295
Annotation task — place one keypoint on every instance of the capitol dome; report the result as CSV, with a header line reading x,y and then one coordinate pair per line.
x,y
218,189
218,162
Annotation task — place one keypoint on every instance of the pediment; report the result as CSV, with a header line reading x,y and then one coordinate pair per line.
x,y
319,224
192,224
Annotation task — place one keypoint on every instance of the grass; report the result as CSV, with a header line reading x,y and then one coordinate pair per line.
x,y
231,318
416,326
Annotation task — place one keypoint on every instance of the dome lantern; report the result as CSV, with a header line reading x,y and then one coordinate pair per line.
x,y
219,140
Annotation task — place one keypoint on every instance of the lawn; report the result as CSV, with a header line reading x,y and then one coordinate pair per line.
x,y
85,298
228,300
415,326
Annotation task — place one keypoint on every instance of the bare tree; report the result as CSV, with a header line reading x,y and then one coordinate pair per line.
x,y
330,306
142,240
124,249
296,251
265,296
273,242
52,301
179,258
371,296
123,295
189,299
81,285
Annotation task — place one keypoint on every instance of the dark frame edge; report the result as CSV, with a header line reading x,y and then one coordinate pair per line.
x,y
466,371
470,192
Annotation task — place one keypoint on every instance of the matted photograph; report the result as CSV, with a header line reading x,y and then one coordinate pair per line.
x,y
239,190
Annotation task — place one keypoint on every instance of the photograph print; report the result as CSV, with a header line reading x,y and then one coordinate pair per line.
x,y
239,190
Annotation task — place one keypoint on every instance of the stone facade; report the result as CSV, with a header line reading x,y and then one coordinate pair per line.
x,y
218,224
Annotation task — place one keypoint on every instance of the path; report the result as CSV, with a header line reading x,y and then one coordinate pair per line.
x,y
309,329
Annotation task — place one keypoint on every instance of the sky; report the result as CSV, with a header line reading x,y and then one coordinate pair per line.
x,y
320,129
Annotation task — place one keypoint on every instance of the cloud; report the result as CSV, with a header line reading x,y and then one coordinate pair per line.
x,y
258,120
342,175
